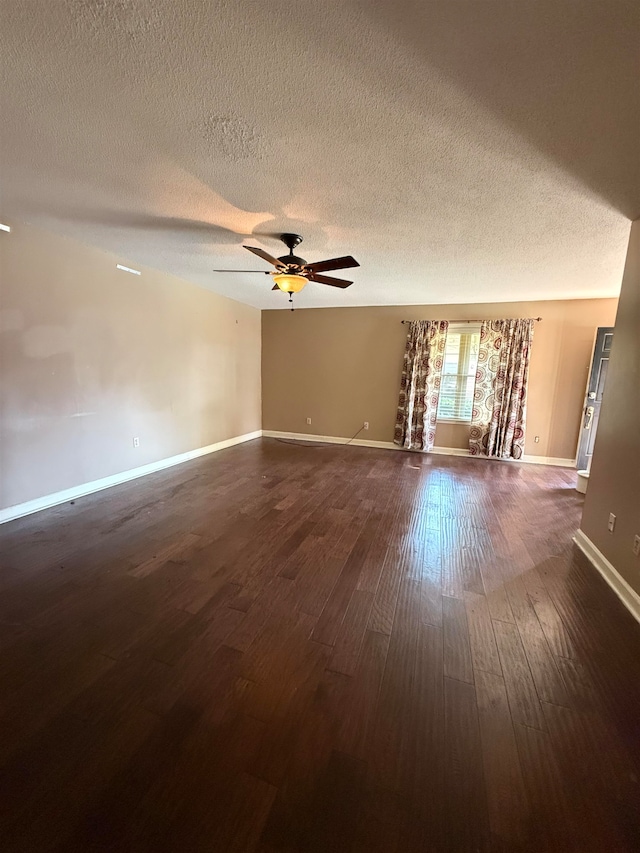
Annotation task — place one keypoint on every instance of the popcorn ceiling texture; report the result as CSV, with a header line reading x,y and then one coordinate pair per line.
x,y
462,152
230,137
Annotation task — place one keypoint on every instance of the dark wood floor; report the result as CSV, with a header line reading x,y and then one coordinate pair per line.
x,y
316,648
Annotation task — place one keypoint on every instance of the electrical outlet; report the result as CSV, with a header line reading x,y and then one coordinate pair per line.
x,y
136,441
309,421
536,438
636,546
611,526
366,424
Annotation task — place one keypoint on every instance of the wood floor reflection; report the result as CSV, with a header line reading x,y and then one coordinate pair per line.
x,y
316,648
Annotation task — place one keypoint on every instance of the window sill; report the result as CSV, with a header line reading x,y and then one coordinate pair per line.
x,y
452,421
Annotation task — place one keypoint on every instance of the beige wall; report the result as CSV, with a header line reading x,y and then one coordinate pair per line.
x,y
341,366
92,356
614,483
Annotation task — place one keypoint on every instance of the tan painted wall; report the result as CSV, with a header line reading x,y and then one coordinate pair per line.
x,y
341,366
614,483
92,356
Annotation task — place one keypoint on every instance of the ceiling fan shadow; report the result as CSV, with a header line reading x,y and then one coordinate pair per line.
x,y
192,230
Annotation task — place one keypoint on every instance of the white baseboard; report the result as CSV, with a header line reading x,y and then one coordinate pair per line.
x,y
56,498
627,595
532,460
329,439
450,451
548,460
389,445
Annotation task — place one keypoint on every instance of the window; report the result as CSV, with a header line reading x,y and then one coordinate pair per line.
x,y
459,372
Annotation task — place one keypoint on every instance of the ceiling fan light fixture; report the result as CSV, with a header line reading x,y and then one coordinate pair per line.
x,y
290,282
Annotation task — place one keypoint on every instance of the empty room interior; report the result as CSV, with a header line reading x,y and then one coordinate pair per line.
x,y
320,426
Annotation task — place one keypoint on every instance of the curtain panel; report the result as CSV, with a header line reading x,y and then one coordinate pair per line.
x,y
420,384
500,396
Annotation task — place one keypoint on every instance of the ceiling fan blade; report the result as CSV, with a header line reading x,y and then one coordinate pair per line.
x,y
275,287
334,282
333,264
264,272
265,256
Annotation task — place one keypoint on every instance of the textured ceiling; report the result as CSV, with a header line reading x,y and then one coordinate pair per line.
x,y
463,151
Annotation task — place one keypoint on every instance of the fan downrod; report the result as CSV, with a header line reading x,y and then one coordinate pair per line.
x,y
291,241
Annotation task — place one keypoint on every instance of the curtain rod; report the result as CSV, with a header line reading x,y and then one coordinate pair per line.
x,y
535,319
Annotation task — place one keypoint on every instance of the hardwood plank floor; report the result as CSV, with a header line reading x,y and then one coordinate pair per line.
x,y
304,648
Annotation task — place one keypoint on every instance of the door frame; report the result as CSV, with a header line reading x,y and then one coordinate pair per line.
x,y
585,398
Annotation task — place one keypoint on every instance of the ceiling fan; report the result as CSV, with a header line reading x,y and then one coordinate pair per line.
x,y
292,273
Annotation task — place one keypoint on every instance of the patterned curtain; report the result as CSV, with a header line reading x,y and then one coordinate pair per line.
x,y
500,397
420,385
